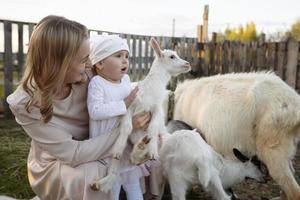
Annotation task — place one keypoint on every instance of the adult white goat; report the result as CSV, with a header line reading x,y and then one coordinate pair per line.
x,y
187,159
152,92
255,112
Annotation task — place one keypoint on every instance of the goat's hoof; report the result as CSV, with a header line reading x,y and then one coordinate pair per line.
x,y
106,183
95,186
196,189
154,157
106,186
117,156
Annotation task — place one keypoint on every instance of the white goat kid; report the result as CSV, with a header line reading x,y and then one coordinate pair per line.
x,y
152,92
228,181
256,112
187,159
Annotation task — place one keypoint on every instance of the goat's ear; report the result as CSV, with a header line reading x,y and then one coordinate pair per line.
x,y
239,155
156,47
255,161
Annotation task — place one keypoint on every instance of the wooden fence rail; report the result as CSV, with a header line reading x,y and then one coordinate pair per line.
x,y
206,58
281,57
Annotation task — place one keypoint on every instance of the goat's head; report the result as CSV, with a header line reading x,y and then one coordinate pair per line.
x,y
140,152
169,60
255,169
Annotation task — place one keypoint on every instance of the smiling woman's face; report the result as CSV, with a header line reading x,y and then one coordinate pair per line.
x,y
76,71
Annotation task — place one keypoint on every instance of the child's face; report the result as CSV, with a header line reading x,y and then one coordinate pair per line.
x,y
115,66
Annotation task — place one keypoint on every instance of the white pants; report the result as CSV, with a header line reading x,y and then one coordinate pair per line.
x,y
133,190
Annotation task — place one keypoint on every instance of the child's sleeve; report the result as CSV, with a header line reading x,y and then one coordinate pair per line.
x,y
98,109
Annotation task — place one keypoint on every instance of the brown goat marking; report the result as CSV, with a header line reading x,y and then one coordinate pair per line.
x,y
146,140
141,146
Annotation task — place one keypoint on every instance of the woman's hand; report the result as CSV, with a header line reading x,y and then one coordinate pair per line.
x,y
130,98
141,120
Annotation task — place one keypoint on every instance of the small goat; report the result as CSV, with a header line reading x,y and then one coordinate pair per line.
x,y
187,159
152,92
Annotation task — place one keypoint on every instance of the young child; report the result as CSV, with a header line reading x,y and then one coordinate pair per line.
x,y
109,95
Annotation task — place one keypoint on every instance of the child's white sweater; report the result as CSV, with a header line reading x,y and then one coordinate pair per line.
x,y
106,104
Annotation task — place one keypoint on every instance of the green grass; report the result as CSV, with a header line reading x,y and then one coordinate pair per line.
x,y
1,85
14,145
1,91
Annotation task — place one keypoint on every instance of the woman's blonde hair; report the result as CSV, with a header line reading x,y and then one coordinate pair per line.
x,y
53,45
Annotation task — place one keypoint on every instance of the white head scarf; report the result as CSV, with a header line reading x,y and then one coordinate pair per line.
x,y
103,46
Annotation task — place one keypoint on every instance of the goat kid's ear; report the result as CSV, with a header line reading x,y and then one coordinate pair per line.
x,y
256,161
239,155
156,47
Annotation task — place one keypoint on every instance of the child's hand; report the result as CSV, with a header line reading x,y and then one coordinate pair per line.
x,y
130,98
141,120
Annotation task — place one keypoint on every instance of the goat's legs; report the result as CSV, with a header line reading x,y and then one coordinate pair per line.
x,y
277,158
125,130
155,126
210,180
105,184
215,186
177,185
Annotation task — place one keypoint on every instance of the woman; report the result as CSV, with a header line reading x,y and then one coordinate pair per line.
x,y
50,105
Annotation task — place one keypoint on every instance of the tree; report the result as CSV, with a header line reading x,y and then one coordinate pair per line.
x,y
250,33
241,33
295,30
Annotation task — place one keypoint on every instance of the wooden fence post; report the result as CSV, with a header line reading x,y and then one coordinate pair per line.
x,y
292,59
30,29
133,57
140,57
224,61
212,54
281,55
20,51
8,66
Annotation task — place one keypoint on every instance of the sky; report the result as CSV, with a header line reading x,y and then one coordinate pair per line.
x,y
155,17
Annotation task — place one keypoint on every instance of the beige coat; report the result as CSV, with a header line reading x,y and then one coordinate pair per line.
x,y
62,160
